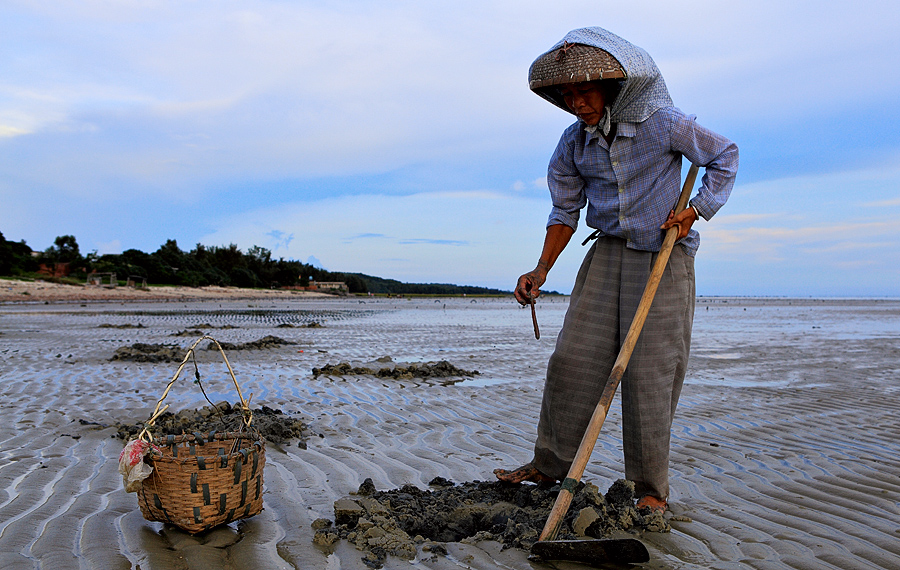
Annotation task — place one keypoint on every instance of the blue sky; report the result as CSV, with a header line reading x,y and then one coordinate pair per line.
x,y
399,139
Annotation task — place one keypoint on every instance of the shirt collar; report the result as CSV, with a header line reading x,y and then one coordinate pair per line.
x,y
622,130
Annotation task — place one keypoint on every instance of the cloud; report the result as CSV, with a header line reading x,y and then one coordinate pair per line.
x,y
453,237
810,246
188,98
782,242
452,242
282,239
7,131
186,114
367,236
883,203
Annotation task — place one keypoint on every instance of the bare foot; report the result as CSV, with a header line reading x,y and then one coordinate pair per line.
x,y
652,503
527,472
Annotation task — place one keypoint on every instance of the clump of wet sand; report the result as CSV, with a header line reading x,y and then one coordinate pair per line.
x,y
200,330
189,332
441,369
274,425
264,343
311,325
143,352
400,521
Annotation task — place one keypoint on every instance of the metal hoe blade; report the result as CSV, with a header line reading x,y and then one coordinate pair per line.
x,y
617,551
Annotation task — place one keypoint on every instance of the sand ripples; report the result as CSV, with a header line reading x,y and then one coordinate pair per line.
x,y
784,449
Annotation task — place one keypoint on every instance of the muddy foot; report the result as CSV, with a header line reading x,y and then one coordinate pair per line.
x,y
527,472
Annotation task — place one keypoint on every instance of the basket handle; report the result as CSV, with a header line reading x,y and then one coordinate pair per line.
x,y
246,413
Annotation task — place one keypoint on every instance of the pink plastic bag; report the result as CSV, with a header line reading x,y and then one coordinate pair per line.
x,y
132,466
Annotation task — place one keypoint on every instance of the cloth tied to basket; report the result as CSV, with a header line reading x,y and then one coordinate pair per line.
x,y
132,466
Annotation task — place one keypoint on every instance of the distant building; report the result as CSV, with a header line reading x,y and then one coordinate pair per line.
x,y
97,280
54,269
135,281
328,286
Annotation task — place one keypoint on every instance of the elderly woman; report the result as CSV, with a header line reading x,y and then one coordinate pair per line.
x,y
622,159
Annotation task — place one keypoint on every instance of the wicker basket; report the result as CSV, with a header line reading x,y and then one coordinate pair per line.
x,y
200,481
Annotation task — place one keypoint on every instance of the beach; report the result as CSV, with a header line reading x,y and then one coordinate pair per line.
x,y
784,446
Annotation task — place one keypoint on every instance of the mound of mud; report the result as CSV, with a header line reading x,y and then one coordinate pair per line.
x,y
311,325
125,326
265,342
141,352
189,332
274,425
221,327
442,369
396,522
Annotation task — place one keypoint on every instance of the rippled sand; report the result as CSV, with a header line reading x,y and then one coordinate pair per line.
x,y
784,449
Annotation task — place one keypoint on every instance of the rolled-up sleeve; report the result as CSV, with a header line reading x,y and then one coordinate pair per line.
x,y
715,153
566,184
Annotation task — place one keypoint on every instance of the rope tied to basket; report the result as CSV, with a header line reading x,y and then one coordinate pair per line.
x,y
190,355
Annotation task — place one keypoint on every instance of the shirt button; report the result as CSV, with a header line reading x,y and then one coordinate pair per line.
x,y
621,190
615,163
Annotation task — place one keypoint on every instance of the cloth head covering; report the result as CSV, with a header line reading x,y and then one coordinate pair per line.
x,y
643,92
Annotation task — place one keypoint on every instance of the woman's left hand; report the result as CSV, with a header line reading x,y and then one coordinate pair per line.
x,y
684,220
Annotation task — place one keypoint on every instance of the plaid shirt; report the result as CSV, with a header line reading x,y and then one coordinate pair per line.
x,y
629,187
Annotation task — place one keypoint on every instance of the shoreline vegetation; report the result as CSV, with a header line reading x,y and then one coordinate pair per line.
x,y
203,266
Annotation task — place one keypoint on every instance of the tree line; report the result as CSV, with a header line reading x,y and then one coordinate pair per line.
x,y
206,265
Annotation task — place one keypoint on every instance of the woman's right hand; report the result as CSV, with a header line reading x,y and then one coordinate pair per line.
x,y
529,284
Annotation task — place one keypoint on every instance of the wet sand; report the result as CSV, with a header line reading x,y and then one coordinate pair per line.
x,y
784,451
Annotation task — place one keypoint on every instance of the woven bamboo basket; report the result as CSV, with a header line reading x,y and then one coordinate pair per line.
x,y
200,481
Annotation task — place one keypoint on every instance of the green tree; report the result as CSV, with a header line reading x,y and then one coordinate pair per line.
x,y
67,249
6,257
15,257
64,250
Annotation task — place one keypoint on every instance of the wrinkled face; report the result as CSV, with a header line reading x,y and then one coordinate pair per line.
x,y
585,99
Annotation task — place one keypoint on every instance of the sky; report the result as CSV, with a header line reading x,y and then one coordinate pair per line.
x,y
399,139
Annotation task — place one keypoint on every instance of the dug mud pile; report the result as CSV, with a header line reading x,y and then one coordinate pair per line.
x,y
193,333
401,521
441,369
264,343
274,425
312,325
200,330
142,352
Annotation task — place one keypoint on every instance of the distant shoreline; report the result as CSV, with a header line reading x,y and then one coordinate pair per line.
x,y
23,292
18,291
